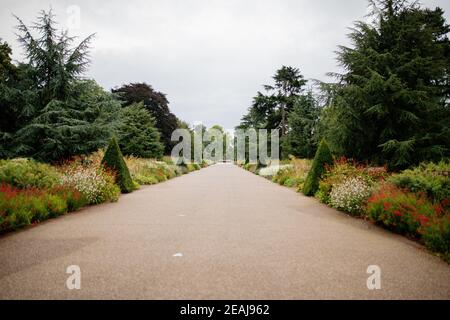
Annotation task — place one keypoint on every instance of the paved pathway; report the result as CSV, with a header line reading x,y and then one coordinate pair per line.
x,y
219,233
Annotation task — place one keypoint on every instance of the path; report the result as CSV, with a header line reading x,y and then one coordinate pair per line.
x,y
234,236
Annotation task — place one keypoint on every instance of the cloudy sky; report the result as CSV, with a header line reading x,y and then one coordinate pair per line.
x,y
209,56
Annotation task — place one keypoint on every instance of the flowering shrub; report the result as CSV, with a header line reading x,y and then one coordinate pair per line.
x,y
146,171
293,174
273,170
25,173
400,210
21,207
412,214
95,184
430,178
436,235
350,195
341,170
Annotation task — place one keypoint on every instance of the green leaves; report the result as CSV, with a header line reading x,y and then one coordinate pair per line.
x,y
392,103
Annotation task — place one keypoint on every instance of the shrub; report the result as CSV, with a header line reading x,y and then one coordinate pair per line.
x,y
401,211
436,235
72,196
25,173
113,160
96,185
21,207
146,171
350,195
322,158
431,178
341,170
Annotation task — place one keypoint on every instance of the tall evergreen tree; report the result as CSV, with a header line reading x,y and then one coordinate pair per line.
x,y
156,103
137,133
391,104
301,140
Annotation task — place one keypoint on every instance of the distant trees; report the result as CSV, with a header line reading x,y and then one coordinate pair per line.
x,y
288,108
156,103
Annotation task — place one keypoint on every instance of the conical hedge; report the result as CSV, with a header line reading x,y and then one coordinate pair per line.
x,y
323,156
113,160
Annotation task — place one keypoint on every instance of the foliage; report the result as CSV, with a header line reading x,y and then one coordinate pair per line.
x,y
430,178
301,140
344,169
21,207
402,211
350,195
94,182
114,161
25,173
391,104
47,111
293,174
137,133
271,110
436,235
156,103
322,158
62,129
55,63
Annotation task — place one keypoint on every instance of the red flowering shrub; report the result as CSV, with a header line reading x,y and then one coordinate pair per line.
x,y
412,214
401,211
21,207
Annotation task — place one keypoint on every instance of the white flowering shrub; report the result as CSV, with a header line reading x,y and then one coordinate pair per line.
x,y
350,195
96,184
272,170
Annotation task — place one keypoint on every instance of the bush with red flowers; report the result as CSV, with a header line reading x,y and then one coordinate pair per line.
x,y
412,214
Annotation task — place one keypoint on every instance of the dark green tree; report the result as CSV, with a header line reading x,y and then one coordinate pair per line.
x,y
156,103
137,133
322,158
391,104
301,140
81,124
55,62
271,110
114,161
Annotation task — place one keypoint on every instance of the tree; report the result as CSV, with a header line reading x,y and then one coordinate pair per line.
x,y
271,110
137,133
289,84
156,103
113,160
47,111
79,125
322,158
391,104
56,65
302,135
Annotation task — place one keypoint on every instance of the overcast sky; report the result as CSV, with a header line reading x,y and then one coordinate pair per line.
x,y
209,56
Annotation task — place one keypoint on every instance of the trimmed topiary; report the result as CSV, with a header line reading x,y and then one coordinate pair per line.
x,y
323,156
113,160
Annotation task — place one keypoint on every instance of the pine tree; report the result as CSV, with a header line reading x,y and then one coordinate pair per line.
x,y
322,158
391,105
301,138
137,133
113,160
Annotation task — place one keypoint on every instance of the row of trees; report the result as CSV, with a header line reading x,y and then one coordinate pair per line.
x,y
389,106
48,111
